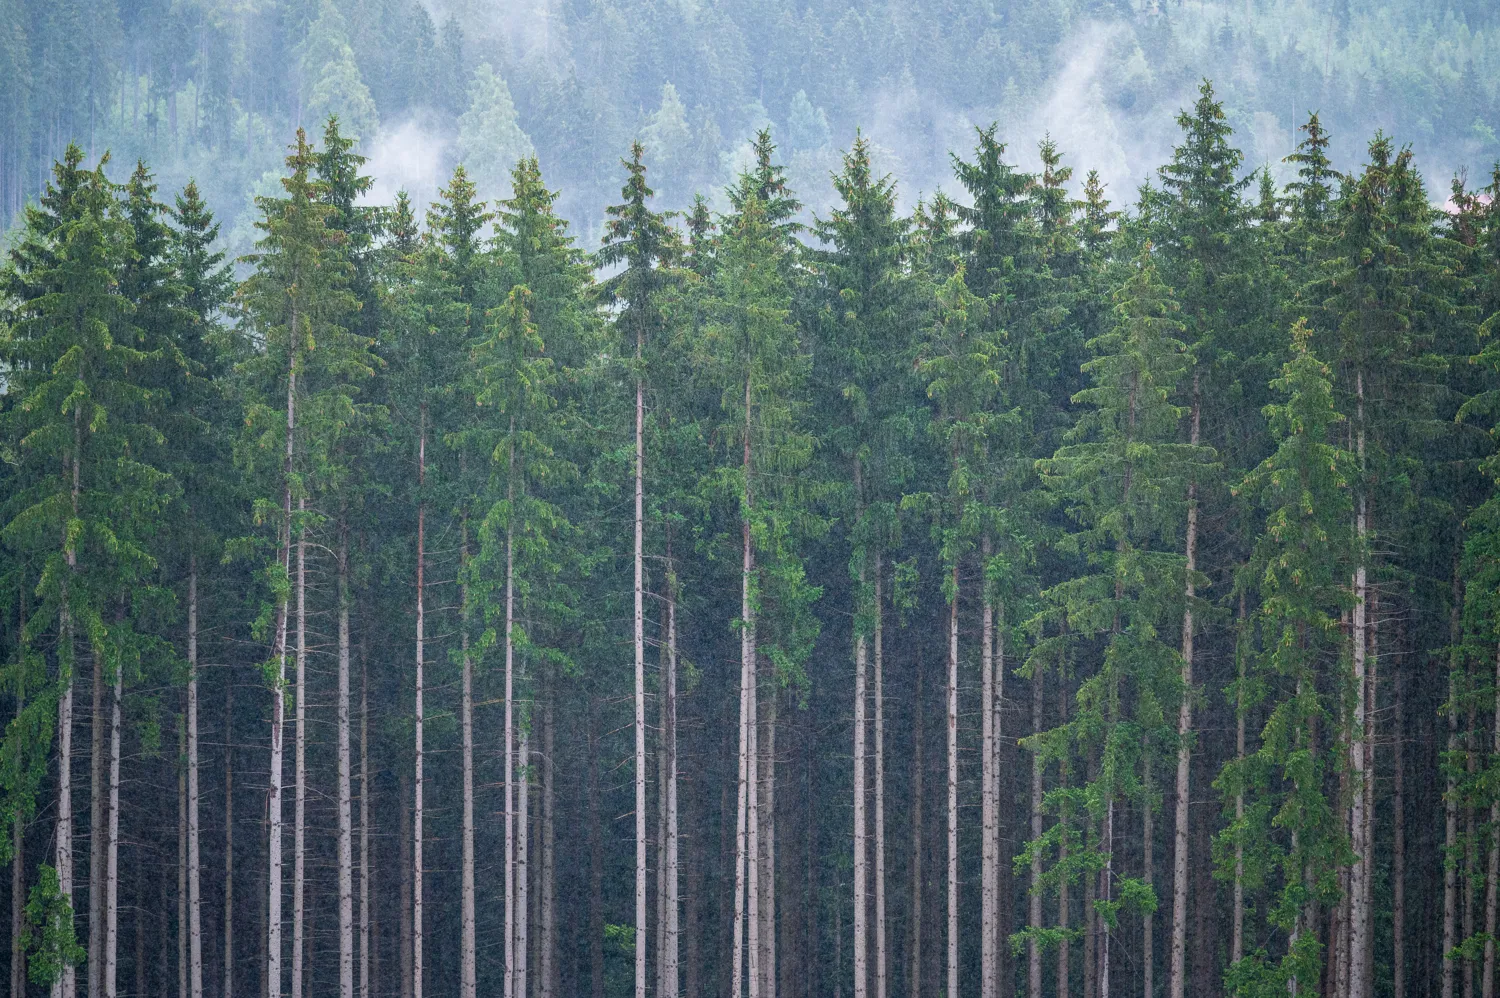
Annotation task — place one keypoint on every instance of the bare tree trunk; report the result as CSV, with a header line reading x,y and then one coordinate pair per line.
x,y
195,923
1034,912
346,817
1471,845
1450,795
403,844
418,716
1178,973
990,839
1237,928
1106,881
1372,708
747,830
510,725
548,947
918,769
669,734
523,844
596,863
1398,851
228,840
861,840
880,943
182,905
97,835
18,926
1359,921
952,730
112,848
1148,874
299,819
768,854
640,682
468,970
278,706
364,814
1492,882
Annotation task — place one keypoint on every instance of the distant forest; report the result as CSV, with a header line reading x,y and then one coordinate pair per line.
x,y
210,89
1019,586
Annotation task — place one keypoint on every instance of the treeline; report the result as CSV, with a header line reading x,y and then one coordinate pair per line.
x,y
1022,595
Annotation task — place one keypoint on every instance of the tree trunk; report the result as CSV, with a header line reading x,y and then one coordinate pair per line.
x,y
1450,795
767,810
1471,844
918,769
510,722
746,957
1492,882
1398,850
112,847
418,716
18,927
861,841
952,731
990,840
467,971
548,942
640,683
523,849
1237,924
1178,973
1148,874
1034,902
195,921
669,734
880,944
1359,920
97,834
346,817
228,840
364,813
299,819
404,844
182,836
278,705
596,862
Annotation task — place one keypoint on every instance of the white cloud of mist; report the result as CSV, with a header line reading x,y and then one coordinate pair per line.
x,y
414,155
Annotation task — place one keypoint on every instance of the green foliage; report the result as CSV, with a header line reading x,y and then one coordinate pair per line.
x,y
52,944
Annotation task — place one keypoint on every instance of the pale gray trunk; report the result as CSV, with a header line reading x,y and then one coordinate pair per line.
x,y
639,621
990,839
767,811
1398,851
299,819
418,717
1178,972
364,815
467,971
228,840
1450,796
195,922
182,906
861,841
97,834
1034,913
278,709
1359,920
18,851
510,724
66,985
523,849
745,947
670,949
112,847
1492,882
880,944
952,730
346,823
1237,924
548,942
1148,874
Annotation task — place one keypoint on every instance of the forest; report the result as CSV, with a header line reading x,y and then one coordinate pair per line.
x,y
1032,587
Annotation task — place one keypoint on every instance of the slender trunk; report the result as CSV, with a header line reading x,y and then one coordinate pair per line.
x,y
1106,882
1237,927
18,848
523,844
1372,708
1471,842
952,730
195,922
861,841
990,840
510,723
596,862
468,972
640,684
746,957
661,802
1359,922
918,802
1492,882
669,735
548,941
880,945
1034,902
278,704
1148,874
67,985
346,818
182,905
97,835
228,840
1178,973
768,854
1004,971
112,847
418,715
1398,850
364,813
1450,795
404,844
1064,904
299,819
